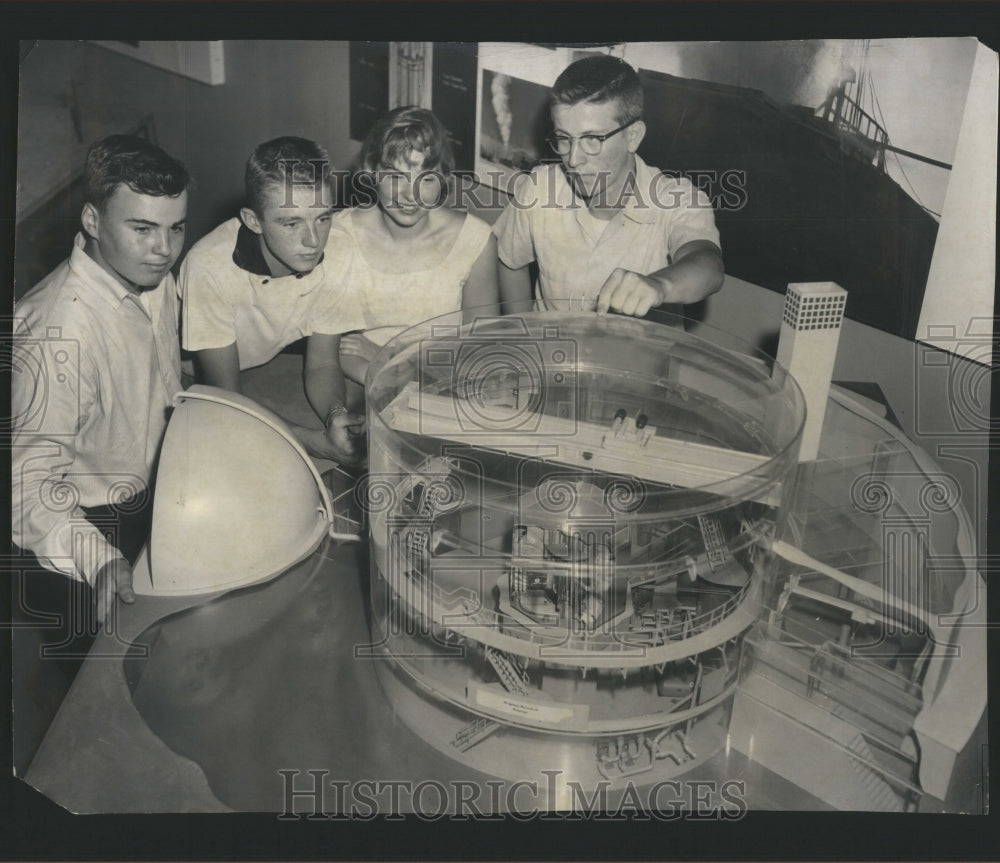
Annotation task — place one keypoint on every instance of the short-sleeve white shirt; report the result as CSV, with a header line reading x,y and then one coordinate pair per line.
x,y
547,222
224,302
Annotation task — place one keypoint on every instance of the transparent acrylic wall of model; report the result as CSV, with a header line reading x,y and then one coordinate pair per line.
x,y
570,517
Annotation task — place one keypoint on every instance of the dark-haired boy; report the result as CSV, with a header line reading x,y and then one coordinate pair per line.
x,y
258,283
607,230
97,349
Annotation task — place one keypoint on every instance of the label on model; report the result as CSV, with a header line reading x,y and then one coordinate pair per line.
x,y
529,711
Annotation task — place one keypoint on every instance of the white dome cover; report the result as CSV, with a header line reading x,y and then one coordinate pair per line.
x,y
237,500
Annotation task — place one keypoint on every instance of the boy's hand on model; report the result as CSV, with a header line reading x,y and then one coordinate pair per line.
x,y
629,293
113,579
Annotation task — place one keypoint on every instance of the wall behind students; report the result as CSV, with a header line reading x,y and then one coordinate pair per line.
x,y
72,93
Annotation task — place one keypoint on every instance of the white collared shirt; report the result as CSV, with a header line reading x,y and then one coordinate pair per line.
x,y
226,303
576,252
96,368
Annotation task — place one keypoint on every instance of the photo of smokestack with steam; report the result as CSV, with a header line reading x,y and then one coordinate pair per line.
x,y
500,91
514,122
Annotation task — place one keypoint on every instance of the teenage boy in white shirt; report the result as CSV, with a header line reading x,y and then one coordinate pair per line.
x,y
260,282
608,231
101,333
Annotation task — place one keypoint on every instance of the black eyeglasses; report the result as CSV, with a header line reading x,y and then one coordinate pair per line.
x,y
590,144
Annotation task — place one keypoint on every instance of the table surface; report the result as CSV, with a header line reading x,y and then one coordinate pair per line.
x,y
235,688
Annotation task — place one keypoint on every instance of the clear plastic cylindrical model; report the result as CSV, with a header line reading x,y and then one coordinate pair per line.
x,y
570,517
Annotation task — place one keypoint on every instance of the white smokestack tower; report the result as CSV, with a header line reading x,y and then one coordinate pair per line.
x,y
807,347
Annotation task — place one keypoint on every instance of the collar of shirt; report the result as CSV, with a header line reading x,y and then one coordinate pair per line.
x,y
247,255
97,283
638,204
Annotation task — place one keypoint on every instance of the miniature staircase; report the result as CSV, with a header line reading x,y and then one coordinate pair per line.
x,y
473,733
848,715
418,543
512,676
418,539
427,507
885,743
715,545
882,797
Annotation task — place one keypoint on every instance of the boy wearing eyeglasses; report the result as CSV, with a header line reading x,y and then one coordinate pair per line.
x,y
608,231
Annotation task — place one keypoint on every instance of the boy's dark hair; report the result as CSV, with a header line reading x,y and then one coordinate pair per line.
x,y
286,160
399,133
134,162
600,78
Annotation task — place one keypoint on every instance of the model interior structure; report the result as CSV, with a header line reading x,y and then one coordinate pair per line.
x,y
618,546
569,519
871,655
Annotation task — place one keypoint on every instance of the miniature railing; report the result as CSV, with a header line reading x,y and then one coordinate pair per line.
x,y
689,626
845,113
465,614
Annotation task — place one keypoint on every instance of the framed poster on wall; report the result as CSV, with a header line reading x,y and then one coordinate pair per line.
x,y
512,112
